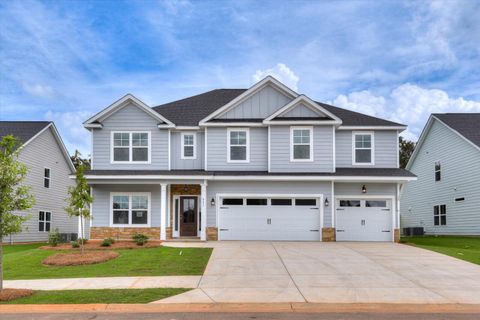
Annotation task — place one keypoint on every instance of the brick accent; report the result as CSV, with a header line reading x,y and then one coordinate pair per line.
x,y
212,234
169,232
122,233
328,234
179,190
396,235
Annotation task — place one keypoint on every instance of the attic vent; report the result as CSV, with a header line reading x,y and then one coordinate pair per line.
x,y
459,199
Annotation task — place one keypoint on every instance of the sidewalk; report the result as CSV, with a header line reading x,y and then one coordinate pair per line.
x,y
106,283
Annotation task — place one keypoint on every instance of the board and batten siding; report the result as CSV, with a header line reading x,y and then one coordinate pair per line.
x,y
280,151
176,148
385,149
45,152
300,110
101,205
460,178
130,118
217,151
260,105
266,187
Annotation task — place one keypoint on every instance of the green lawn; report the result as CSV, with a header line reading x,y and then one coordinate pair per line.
x,y
97,296
25,262
465,248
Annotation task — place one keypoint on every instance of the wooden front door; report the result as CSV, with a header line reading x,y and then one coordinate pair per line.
x,y
188,216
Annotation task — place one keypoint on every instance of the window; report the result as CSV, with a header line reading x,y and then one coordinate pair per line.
x,y
363,148
375,203
438,171
188,145
349,203
130,209
305,202
281,202
238,145
44,220
301,148
46,177
256,202
130,147
440,215
232,202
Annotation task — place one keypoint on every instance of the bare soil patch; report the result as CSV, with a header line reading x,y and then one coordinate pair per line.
x,y
76,258
95,245
12,294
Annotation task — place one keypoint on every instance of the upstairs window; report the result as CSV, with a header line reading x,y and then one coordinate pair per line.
x,y
238,145
363,148
130,147
44,221
301,148
438,171
46,177
440,215
188,145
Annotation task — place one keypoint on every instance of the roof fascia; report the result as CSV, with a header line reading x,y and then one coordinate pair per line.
x,y
419,144
372,128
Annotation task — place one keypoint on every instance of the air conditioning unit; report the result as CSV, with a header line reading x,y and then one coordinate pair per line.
x,y
67,237
413,231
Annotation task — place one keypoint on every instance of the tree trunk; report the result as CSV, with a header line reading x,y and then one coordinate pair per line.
x,y
81,230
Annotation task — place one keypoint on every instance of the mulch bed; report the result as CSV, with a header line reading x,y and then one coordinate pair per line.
x,y
77,258
12,294
95,245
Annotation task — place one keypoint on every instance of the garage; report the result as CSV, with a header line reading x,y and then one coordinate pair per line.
x,y
270,217
364,219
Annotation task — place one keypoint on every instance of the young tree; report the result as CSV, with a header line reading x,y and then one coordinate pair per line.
x,y
406,150
13,195
80,200
77,160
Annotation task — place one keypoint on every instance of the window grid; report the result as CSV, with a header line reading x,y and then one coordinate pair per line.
x,y
438,171
363,148
188,146
301,144
131,147
46,177
440,215
44,221
130,209
238,141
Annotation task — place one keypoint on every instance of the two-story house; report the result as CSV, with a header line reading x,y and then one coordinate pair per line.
x,y
263,163
49,167
446,197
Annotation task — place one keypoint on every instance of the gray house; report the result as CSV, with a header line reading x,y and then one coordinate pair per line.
x,y
49,165
446,197
263,163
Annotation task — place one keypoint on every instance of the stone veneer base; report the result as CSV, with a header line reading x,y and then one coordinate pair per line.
x,y
328,234
123,233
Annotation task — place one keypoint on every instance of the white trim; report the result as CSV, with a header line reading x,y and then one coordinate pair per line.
x,y
130,194
269,80
169,150
333,204
163,211
130,148
292,144
247,134
299,122
372,148
123,102
203,211
49,178
93,126
205,150
91,148
182,137
177,234
187,128
334,150
269,143
398,207
309,103
401,128
233,124
398,150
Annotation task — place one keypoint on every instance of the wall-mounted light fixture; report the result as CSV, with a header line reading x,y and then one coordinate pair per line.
x,y
212,202
185,188
364,189
326,202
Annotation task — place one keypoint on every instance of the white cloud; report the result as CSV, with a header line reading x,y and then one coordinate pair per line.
x,y
408,104
281,72
39,90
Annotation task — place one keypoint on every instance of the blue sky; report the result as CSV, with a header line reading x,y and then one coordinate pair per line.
x,y
401,60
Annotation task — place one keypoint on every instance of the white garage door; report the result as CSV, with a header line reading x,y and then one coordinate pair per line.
x,y
269,218
364,220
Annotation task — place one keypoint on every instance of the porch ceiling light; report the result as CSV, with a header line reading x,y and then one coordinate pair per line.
x,y
364,189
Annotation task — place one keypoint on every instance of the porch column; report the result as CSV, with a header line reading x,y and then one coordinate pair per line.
x,y
163,212
203,211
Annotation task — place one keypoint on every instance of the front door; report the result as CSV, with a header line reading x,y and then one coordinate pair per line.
x,y
188,216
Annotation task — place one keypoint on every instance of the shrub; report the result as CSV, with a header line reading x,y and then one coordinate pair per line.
x,y
82,241
107,242
140,239
53,237
112,241
75,244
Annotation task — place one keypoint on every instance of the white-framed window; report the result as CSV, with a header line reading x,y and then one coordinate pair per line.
x,y
130,209
130,147
438,171
301,144
44,221
363,151
46,177
189,145
440,215
238,145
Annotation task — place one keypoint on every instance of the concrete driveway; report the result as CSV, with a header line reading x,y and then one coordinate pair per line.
x,y
333,273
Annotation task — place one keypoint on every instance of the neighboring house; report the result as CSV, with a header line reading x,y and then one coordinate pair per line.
x,y
263,163
446,197
49,168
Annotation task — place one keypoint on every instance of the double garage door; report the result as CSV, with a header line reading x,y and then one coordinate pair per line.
x,y
293,218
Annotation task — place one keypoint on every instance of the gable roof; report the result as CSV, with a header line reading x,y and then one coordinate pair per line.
x,y
466,124
27,131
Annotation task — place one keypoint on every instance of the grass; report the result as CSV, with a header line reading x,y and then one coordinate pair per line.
x,y
97,296
25,262
465,248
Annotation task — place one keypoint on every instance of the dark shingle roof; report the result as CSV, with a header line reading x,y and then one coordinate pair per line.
x,y
24,130
467,124
189,111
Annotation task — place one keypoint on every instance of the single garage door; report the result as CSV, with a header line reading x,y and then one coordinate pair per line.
x,y
269,218
364,220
